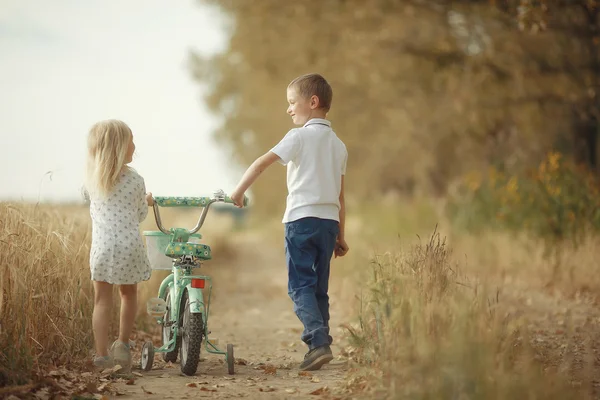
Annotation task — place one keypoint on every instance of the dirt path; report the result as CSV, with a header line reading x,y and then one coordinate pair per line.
x,y
251,310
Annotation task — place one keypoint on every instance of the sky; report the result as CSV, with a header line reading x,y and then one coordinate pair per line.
x,y
66,64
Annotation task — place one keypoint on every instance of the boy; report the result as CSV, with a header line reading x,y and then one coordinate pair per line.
x,y
315,214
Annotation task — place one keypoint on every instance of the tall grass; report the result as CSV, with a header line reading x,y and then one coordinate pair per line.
x,y
428,332
45,291
46,296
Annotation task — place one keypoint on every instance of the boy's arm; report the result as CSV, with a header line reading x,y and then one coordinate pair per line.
x,y
253,172
341,247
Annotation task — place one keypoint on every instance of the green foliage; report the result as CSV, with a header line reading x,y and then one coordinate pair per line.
x,y
423,91
557,201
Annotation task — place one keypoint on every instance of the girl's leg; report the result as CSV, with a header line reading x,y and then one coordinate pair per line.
x,y
128,311
101,316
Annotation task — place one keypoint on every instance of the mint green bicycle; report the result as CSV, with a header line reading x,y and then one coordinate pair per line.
x,y
181,308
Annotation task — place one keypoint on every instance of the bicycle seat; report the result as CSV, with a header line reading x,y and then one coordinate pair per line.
x,y
176,249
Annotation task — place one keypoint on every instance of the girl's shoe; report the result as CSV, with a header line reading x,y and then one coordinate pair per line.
x,y
121,354
103,362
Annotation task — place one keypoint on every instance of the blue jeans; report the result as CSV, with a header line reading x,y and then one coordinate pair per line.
x,y
309,245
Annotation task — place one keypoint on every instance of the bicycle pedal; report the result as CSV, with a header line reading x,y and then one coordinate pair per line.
x,y
156,307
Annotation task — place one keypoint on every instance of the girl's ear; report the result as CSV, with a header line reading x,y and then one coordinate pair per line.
x,y
314,102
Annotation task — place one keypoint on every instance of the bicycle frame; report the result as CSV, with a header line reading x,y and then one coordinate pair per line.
x,y
181,277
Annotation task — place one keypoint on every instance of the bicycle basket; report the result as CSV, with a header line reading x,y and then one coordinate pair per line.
x,y
156,243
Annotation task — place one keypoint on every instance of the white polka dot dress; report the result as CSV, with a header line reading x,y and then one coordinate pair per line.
x,y
118,255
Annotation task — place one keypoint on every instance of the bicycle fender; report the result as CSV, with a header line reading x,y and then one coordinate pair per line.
x,y
196,299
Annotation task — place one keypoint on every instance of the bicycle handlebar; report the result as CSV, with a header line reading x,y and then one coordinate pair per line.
x,y
205,202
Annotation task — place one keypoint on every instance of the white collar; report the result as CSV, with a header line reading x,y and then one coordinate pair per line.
x,y
317,121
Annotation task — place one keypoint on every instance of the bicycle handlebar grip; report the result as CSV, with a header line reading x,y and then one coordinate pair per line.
x,y
246,200
163,201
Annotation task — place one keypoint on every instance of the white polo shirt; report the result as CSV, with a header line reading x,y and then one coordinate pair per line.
x,y
316,160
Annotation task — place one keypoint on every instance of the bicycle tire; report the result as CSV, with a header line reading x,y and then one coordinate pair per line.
x,y
191,340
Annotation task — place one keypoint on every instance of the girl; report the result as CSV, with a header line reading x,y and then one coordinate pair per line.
x,y
118,203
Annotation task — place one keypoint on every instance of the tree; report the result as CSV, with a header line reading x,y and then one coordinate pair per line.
x,y
423,90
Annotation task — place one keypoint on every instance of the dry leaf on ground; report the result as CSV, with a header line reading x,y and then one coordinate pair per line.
x,y
146,391
320,391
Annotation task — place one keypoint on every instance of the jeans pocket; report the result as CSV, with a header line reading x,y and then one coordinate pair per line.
x,y
302,226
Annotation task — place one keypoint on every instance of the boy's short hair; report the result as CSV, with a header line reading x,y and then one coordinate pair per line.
x,y
314,85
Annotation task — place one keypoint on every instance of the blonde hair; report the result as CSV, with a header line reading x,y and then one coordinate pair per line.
x,y
108,143
314,85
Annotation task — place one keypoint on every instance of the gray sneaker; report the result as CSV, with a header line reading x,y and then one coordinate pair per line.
x,y
316,358
103,362
121,355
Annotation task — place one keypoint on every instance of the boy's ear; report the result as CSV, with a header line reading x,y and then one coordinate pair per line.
x,y
314,102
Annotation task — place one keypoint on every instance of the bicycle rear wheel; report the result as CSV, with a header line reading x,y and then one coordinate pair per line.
x,y
191,340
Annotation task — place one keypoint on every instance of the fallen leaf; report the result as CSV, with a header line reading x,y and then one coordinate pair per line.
x,y
42,394
91,387
267,389
269,369
290,390
304,373
130,382
116,368
137,374
205,389
191,384
241,361
86,374
320,391
146,391
315,379
102,387
169,365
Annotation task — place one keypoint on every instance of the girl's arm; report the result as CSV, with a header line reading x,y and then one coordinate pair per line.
x,y
251,174
143,202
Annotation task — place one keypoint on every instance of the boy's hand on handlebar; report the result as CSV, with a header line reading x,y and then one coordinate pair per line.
x,y
149,199
237,198
341,248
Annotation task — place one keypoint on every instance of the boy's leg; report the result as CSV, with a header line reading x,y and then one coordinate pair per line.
x,y
301,252
328,235
101,316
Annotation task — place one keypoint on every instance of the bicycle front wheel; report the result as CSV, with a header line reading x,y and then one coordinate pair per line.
x,y
191,340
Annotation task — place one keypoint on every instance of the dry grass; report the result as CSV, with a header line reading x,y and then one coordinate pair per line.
x,y
511,259
432,333
490,319
46,296
45,292
480,322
